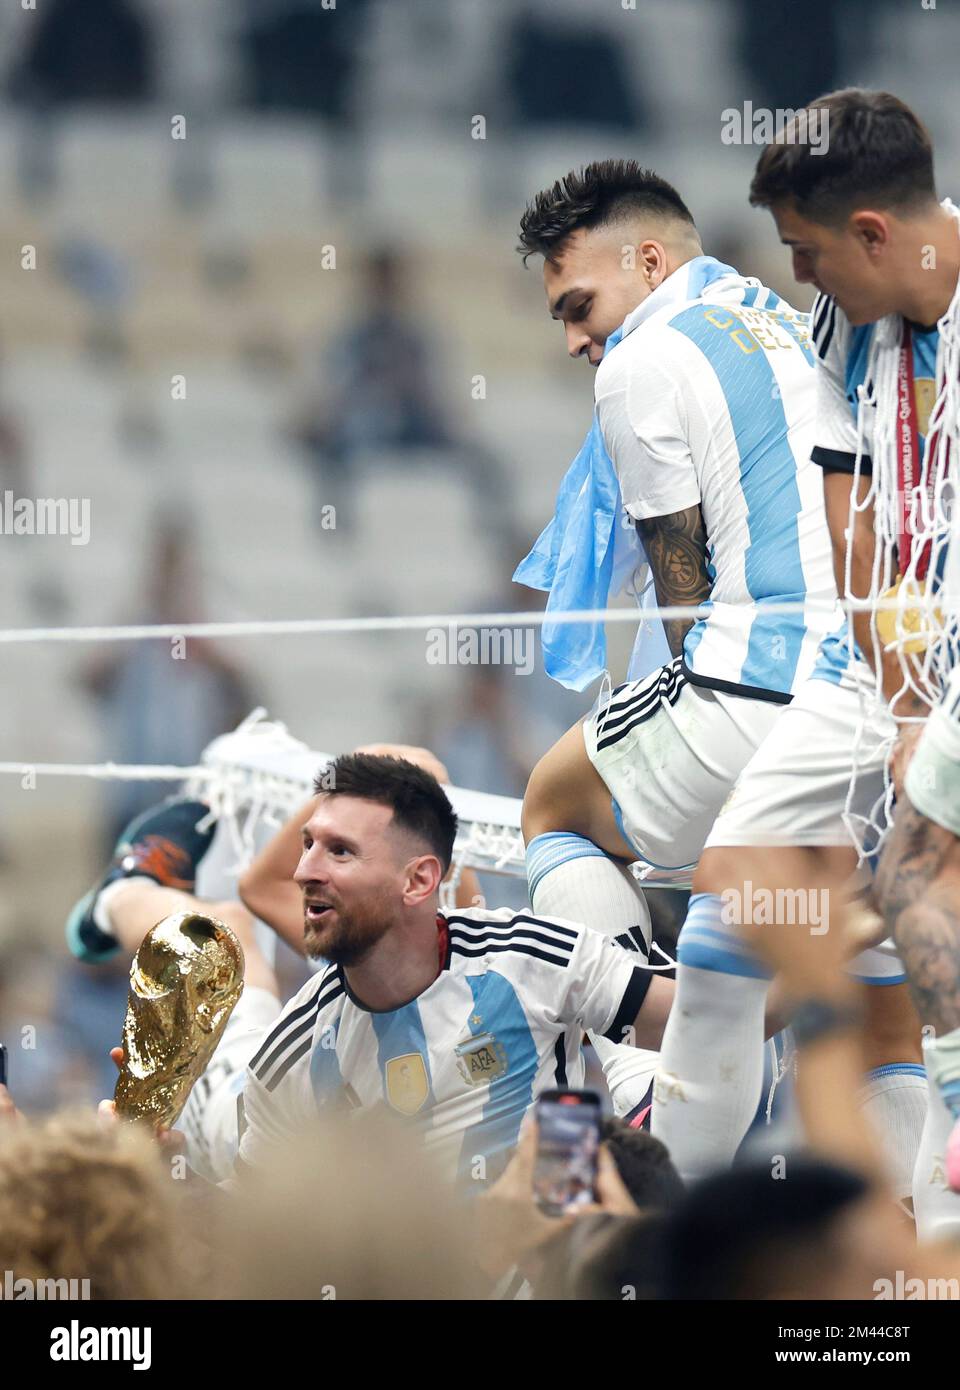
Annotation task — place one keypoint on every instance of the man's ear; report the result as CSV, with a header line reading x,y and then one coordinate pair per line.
x,y
422,878
871,229
653,257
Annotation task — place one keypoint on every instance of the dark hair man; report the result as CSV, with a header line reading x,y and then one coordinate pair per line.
x,y
704,411
865,227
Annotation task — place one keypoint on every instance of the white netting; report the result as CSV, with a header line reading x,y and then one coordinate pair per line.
x,y
913,615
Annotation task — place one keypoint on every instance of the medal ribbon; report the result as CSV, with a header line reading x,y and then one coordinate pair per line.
x,y
908,456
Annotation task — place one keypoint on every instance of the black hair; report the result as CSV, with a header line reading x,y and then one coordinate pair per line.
x,y
737,1231
419,803
601,193
644,1165
876,152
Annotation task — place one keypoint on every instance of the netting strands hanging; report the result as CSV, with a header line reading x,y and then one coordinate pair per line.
x,y
913,506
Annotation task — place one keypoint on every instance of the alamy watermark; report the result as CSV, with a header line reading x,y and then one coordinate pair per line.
x,y
902,1287
482,646
46,516
762,907
42,1290
759,125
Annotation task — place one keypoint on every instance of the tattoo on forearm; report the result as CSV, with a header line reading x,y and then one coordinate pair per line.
x,y
928,939
922,912
911,860
676,547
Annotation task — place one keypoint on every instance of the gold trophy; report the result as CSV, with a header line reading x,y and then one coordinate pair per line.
x,y
184,982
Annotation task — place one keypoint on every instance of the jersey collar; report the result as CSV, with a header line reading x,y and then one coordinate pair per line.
x,y
687,282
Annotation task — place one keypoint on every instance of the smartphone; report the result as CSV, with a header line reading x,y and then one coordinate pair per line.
x,y
568,1141
3,1065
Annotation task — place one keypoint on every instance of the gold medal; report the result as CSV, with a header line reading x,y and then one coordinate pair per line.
x,y
913,626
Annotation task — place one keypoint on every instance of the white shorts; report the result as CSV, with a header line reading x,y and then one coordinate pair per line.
x,y
795,790
669,752
210,1118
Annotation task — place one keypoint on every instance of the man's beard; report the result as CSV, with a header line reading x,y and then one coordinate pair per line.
x,y
349,937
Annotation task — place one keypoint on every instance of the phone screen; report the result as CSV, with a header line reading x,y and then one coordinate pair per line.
x,y
568,1130
3,1065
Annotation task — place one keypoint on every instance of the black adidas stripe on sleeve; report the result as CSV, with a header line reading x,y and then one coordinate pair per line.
x,y
838,461
630,1005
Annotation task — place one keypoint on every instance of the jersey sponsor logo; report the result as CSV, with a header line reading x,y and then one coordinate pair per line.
x,y
407,1083
481,1059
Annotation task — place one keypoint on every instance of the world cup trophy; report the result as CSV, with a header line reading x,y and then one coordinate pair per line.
x,y
184,982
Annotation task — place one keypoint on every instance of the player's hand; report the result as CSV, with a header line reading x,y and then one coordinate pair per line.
x,y
171,1141
509,1227
863,927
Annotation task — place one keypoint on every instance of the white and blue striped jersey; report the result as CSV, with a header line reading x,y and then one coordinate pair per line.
x,y
503,1021
843,352
709,400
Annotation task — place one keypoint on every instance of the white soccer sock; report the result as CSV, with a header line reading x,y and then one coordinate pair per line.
x,y
570,876
710,1076
101,908
935,1208
894,1099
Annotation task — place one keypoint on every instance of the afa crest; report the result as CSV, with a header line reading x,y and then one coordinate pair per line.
x,y
481,1059
407,1084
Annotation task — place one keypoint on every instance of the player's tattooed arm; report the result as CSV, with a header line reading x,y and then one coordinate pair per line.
x,y
918,891
676,547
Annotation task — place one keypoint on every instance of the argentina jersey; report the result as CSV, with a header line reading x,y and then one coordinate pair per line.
x,y
462,1062
708,401
843,354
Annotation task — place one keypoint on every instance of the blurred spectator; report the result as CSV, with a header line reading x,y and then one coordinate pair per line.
x,y
742,1235
644,1165
79,52
47,1068
160,702
355,1210
487,747
375,389
90,1002
82,1201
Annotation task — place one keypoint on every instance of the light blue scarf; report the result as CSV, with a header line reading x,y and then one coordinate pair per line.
x,y
591,548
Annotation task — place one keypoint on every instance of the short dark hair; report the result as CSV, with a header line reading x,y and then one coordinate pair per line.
x,y
877,152
644,1165
594,196
419,803
739,1234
